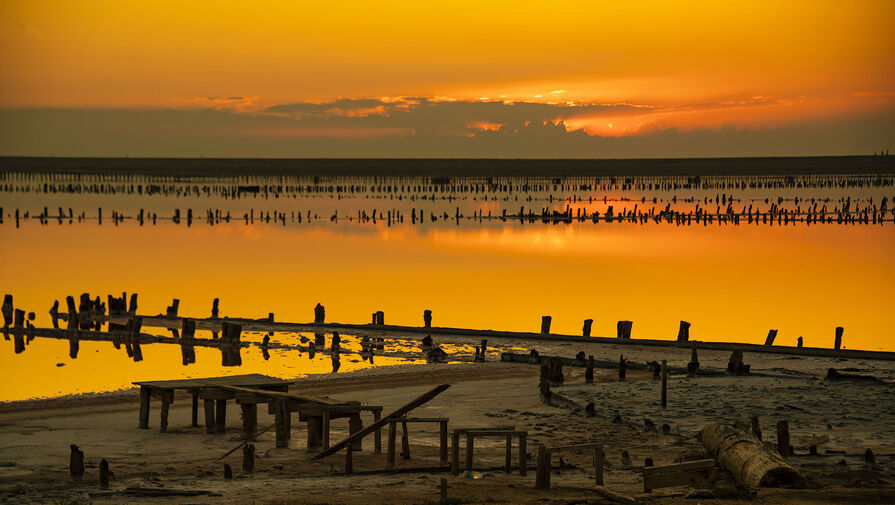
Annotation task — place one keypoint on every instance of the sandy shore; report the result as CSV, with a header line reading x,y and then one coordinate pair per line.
x,y
34,441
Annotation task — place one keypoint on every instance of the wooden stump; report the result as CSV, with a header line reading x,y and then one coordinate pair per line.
x,y
585,330
228,472
622,367
683,332
589,371
76,463
623,329
756,427
104,474
248,459
783,438
664,383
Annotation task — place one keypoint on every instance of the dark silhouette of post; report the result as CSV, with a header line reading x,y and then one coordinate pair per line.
x,y
683,333
545,324
427,318
623,329
587,326
838,342
772,334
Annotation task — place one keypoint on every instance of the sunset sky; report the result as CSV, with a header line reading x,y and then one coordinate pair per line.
x,y
454,79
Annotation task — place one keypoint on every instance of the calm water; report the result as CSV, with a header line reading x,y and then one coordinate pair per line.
x,y
798,254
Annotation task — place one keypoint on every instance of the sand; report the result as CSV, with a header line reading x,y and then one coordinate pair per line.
x,y
34,442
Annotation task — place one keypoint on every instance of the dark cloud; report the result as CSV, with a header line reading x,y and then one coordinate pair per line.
x,y
410,127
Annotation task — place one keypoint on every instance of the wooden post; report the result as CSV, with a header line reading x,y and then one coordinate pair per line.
x,y
76,463
104,474
249,419
508,464
683,332
799,342
545,324
470,444
455,452
167,398
282,431
523,454
623,329
443,443
355,424
598,465
214,308
756,427
427,318
209,416
443,487
145,394
664,383
838,342
324,419
622,367
585,330
248,459
220,419
349,464
405,441
195,412
377,435
783,438
772,334
228,472
392,435
589,372
540,479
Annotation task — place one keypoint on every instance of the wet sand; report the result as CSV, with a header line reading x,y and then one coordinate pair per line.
x,y
34,442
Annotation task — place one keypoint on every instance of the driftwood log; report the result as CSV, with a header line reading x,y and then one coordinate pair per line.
x,y
747,459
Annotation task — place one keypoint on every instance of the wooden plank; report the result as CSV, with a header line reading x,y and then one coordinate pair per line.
x,y
689,465
248,380
496,433
420,400
282,395
576,447
681,478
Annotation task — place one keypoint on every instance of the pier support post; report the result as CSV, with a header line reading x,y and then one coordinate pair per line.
x,y
145,394
838,341
683,333
585,330
623,329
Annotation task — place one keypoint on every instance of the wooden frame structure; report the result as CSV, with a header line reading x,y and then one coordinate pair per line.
x,y
472,433
405,442
545,455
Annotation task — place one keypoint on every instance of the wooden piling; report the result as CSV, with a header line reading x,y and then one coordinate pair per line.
x,y
756,427
76,463
589,372
249,419
783,438
104,474
443,443
220,416
622,367
443,491
391,443
683,332
664,383
623,329
248,459
585,330
405,441
838,341
545,324
598,465
427,318
194,418
772,334
282,424
145,394
228,472
209,416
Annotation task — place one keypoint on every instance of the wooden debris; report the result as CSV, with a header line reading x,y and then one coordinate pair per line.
x,y
693,473
752,464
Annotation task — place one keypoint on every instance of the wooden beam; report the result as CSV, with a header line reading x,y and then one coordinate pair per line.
x,y
420,400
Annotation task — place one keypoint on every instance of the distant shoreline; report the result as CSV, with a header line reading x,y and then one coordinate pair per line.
x,y
457,167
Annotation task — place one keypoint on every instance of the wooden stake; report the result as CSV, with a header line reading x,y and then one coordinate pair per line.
x,y
589,372
664,383
756,427
248,459
783,438
76,463
104,474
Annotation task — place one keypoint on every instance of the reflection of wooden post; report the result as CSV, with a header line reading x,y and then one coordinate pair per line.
x,y
838,342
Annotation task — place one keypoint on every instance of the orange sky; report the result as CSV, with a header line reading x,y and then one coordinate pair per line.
x,y
697,64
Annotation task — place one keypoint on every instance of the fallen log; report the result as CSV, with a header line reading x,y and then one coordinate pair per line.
x,y
748,460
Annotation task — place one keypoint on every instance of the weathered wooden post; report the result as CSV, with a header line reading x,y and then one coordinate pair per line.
x,y
443,491
693,365
349,459
683,332
598,465
249,419
427,318
133,306
104,474
72,313
145,395
589,372
319,314
838,342
8,311
623,329
783,438
76,463
167,400
171,311
248,459
585,330
443,442
220,416
622,367
228,472
545,324
664,383
208,406
380,318
756,427
281,415
194,418
772,334
508,463
405,441
215,308
470,444
391,443
799,342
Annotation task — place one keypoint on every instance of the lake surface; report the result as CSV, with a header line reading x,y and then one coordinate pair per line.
x,y
735,256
